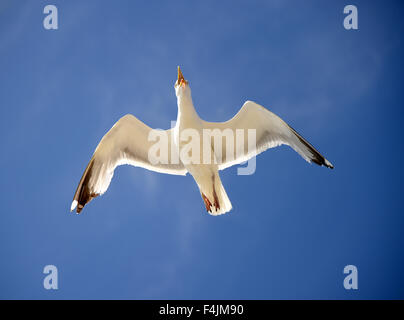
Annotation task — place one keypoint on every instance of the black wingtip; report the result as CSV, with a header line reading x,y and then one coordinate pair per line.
x,y
83,193
328,164
316,157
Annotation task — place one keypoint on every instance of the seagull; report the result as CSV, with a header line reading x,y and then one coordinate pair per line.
x,y
129,142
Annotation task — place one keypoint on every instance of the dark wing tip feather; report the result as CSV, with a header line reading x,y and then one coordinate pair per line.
x,y
83,193
316,157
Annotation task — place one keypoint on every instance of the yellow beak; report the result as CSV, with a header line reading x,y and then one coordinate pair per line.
x,y
180,77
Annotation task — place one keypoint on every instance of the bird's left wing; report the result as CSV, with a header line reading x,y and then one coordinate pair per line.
x,y
270,131
127,142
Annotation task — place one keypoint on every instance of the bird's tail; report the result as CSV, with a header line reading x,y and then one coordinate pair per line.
x,y
215,197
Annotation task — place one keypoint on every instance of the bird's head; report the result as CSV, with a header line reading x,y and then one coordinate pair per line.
x,y
181,86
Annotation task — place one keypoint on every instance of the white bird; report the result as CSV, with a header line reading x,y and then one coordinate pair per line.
x,y
128,142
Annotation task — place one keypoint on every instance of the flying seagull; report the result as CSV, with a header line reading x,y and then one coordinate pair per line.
x,y
129,142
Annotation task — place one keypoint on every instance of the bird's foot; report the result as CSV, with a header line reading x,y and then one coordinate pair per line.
x,y
208,205
216,202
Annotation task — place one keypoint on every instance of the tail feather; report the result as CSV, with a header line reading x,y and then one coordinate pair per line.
x,y
225,204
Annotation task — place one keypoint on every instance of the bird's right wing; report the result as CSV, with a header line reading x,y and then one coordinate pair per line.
x,y
127,142
270,131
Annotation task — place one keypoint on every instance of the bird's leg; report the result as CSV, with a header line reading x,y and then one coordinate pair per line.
x,y
207,202
216,200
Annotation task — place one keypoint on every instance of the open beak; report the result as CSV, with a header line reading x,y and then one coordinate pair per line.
x,y
181,78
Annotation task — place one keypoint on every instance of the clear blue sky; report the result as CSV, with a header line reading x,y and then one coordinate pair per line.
x,y
294,226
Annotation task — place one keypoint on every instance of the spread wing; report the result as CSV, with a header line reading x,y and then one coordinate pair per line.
x,y
271,131
127,142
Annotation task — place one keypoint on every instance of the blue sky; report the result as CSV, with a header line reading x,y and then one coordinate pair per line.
x,y
294,226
